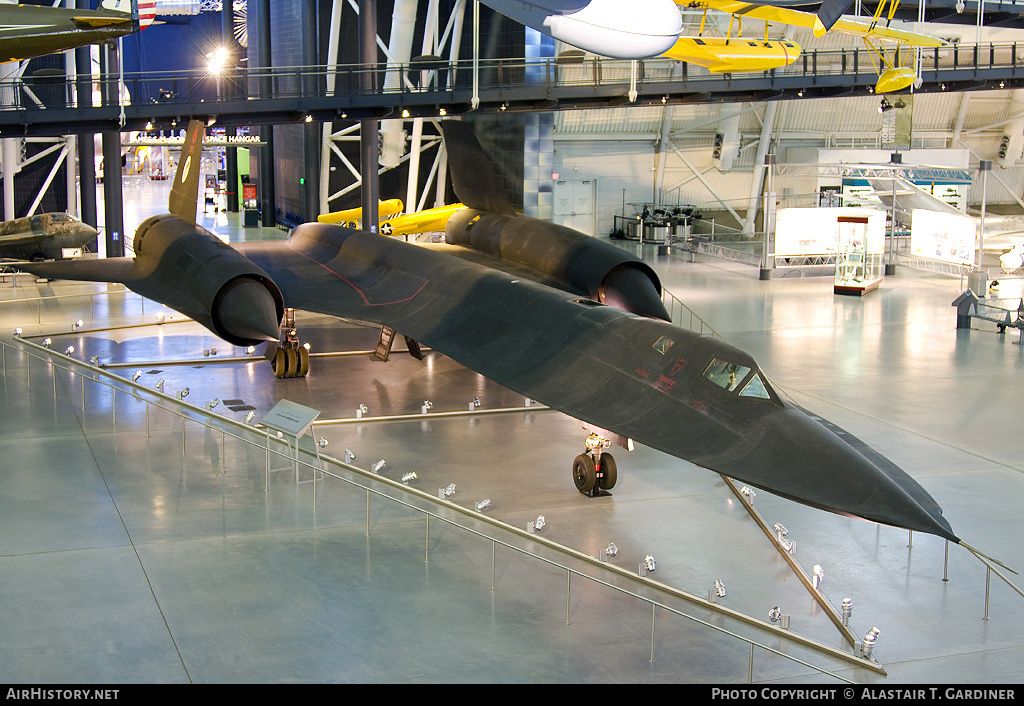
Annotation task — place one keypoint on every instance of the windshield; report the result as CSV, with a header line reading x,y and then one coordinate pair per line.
x,y
730,376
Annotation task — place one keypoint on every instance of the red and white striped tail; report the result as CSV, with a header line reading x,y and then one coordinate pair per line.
x,y
147,13
147,9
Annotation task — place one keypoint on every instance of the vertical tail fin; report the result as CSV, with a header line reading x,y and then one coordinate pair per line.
x,y
184,201
143,12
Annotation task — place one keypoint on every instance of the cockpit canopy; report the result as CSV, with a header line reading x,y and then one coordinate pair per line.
x,y
739,379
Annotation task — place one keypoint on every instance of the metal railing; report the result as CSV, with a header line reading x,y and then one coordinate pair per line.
x,y
172,93
476,524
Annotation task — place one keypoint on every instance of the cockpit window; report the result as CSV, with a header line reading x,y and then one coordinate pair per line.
x,y
725,374
755,388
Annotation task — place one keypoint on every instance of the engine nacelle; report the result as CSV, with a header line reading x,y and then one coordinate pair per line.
x,y
601,270
188,268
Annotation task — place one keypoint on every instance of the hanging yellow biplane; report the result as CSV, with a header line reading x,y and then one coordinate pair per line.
x,y
888,46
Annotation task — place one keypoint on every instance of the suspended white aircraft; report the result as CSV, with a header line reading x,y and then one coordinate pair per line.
x,y
637,29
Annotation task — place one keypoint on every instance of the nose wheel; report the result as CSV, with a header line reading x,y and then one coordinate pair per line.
x,y
593,471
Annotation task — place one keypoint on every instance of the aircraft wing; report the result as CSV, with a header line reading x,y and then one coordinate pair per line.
x,y
798,18
111,269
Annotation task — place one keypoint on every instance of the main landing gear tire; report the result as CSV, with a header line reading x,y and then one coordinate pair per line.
x,y
584,473
610,473
290,362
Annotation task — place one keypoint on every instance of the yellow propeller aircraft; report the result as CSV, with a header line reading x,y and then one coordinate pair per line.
x,y
893,75
393,222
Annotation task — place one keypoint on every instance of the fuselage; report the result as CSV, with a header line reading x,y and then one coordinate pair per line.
x,y
691,396
43,237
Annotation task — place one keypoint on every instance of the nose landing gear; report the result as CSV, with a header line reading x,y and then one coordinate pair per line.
x,y
594,471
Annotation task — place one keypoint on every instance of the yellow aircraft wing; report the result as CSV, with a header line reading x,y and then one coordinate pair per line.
x,y
385,209
784,15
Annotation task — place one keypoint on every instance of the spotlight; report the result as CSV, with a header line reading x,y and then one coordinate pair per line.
x,y
149,125
309,118
306,346
885,106
539,523
405,113
780,530
249,416
664,100
213,351
94,361
847,610
427,405
720,588
869,642
476,401
800,93
818,575
350,455
77,325
377,466
322,442
748,493
160,384
69,350
250,350
183,393
359,414
449,490
212,403
774,614
442,112
409,477
206,352
47,342
482,505
136,375
504,106
17,332
160,317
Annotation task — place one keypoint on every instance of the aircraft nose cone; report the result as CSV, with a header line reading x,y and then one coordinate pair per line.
x,y
248,311
830,468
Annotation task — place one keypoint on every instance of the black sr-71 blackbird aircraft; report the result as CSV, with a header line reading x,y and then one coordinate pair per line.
x,y
555,315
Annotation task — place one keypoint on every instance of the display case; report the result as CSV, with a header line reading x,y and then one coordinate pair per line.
x,y
860,250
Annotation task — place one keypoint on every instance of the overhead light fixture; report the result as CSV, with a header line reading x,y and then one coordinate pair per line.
x,y
442,112
405,113
149,125
216,60
249,350
309,118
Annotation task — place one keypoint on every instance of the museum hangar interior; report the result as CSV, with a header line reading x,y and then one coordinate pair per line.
x,y
162,524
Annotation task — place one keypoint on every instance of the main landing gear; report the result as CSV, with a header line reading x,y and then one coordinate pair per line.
x,y
289,359
594,471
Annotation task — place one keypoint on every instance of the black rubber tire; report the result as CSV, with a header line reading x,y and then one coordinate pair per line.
x,y
303,362
584,473
291,364
610,473
278,363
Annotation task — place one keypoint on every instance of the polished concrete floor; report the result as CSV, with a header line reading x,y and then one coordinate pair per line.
x,y
128,556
